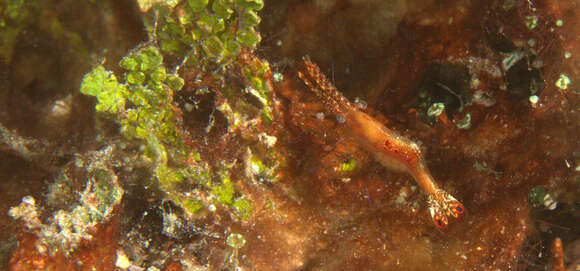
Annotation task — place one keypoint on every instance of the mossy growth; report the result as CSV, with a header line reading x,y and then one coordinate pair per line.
x,y
146,5
210,35
104,86
225,194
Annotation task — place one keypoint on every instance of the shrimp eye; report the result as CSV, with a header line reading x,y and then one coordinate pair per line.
x,y
439,223
458,208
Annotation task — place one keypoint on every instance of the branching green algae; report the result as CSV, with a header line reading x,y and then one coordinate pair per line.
x,y
204,34
142,106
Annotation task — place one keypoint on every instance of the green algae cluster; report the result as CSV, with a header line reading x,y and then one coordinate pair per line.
x,y
142,105
202,35
211,31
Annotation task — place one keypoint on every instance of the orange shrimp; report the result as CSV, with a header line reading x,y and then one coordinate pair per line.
x,y
389,148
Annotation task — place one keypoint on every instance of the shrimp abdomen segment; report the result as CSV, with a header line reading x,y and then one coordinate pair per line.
x,y
391,149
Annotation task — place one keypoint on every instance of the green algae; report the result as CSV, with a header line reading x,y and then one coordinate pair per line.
x,y
531,21
243,208
207,31
192,206
562,82
224,193
104,86
347,166
203,34
142,105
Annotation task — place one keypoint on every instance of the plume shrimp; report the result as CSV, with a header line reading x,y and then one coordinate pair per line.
x,y
389,148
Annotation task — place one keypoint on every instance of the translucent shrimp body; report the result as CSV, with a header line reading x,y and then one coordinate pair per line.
x,y
389,148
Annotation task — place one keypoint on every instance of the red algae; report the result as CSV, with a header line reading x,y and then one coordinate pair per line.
x,y
97,255
491,165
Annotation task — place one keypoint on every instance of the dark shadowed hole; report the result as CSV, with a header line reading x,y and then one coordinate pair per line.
x,y
523,80
200,114
445,83
495,38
